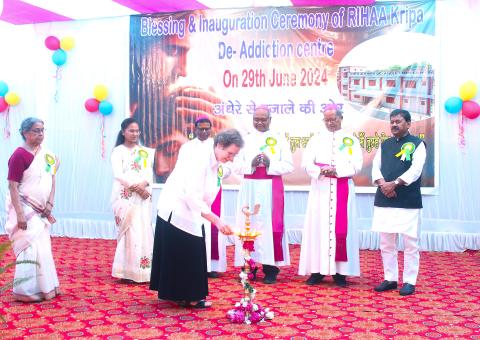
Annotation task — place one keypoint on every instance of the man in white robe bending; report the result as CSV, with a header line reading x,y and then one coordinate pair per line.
x,y
262,162
215,243
329,238
397,169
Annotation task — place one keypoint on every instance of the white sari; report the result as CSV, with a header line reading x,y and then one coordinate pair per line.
x,y
33,244
133,214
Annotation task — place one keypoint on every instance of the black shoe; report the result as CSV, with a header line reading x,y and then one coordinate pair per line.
x,y
386,285
213,275
271,273
314,279
340,280
407,289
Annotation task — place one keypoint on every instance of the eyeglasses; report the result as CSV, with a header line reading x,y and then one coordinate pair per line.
x,y
330,121
38,131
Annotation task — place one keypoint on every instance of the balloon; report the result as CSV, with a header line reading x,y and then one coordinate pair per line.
x,y
3,104
12,98
92,105
67,43
100,92
470,109
3,88
52,43
105,108
59,57
468,90
453,105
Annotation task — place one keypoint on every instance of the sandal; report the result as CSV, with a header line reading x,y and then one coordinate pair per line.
x,y
200,304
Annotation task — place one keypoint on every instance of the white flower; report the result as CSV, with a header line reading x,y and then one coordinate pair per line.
x,y
245,304
242,300
269,315
248,322
255,307
237,304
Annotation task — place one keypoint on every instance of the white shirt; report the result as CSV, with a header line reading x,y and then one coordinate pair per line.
x,y
189,191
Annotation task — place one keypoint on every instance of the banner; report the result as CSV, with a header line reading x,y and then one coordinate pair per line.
x,y
368,60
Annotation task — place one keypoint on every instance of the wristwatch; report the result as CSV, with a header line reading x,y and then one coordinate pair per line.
x,y
397,182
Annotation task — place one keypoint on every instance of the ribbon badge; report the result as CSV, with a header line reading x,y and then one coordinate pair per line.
x,y
347,143
269,142
142,154
219,175
406,151
50,160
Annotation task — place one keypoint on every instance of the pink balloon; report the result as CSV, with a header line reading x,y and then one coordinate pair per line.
x,y
3,104
52,43
470,109
92,105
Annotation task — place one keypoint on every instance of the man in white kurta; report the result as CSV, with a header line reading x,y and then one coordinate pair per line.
x,y
264,159
330,238
397,169
215,242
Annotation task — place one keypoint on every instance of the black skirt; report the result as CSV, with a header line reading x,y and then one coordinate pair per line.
x,y
179,264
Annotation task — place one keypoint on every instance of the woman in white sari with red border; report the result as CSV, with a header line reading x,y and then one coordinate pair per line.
x,y
132,205
29,202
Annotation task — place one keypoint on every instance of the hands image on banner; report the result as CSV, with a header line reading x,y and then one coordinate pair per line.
x,y
168,119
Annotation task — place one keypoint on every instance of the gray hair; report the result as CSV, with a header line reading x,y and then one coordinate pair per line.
x,y
228,137
27,125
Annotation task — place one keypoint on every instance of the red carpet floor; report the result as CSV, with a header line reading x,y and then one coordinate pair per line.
x,y
94,305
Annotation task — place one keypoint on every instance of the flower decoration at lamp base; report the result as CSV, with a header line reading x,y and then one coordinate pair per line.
x,y
246,311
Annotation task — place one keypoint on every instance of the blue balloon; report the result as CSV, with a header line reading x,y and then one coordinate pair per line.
x,y
59,57
453,105
105,108
3,88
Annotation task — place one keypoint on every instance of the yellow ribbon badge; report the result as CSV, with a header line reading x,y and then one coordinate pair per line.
x,y
219,175
50,160
269,142
406,151
347,143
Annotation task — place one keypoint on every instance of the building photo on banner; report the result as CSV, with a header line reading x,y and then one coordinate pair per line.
x,y
239,169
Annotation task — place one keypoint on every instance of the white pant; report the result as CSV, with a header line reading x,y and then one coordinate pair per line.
x,y
411,260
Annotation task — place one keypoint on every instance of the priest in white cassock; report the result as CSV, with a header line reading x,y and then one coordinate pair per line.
x,y
330,238
262,162
396,170
215,242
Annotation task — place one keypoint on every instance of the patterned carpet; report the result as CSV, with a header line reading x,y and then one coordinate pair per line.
x,y
94,305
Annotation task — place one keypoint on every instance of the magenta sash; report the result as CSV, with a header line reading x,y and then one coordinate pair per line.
x,y
277,208
216,209
341,217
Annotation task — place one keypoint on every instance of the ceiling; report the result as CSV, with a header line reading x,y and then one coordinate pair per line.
x,y
37,11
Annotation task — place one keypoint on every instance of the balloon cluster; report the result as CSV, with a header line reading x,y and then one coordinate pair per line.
x,y
98,103
59,47
7,98
464,103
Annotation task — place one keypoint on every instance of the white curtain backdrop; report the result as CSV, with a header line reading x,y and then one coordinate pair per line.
x,y
451,218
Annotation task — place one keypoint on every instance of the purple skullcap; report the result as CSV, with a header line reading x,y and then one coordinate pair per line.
x,y
331,107
202,118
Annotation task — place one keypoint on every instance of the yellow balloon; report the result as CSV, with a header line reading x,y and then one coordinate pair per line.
x,y
67,43
468,90
100,92
12,98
